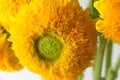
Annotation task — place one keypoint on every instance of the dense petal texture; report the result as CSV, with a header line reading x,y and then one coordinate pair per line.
x,y
109,24
67,24
9,9
8,60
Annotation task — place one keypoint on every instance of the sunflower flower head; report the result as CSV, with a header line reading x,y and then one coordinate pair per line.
x,y
8,60
56,39
109,24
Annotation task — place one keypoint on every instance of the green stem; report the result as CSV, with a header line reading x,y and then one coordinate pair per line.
x,y
102,78
80,78
112,73
108,55
94,13
99,58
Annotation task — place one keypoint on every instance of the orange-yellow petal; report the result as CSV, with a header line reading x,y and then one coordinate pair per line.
x,y
8,60
109,24
9,9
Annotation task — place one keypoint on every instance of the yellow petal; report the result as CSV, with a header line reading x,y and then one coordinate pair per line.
x,y
109,24
8,60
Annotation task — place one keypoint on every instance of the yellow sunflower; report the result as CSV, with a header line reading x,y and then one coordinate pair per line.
x,y
8,60
55,39
109,24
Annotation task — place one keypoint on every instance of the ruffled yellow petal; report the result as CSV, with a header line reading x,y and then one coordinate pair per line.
x,y
109,25
68,24
8,60
9,9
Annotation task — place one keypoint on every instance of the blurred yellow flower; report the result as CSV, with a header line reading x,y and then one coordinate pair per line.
x,y
8,60
55,39
109,24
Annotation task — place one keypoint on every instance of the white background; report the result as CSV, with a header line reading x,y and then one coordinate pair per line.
x,y
24,74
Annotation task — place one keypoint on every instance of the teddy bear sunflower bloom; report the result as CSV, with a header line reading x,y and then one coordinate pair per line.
x,y
54,38
8,60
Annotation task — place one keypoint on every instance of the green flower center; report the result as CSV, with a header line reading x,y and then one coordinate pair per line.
x,y
49,47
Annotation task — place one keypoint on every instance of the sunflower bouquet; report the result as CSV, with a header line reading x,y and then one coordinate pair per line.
x,y
57,39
